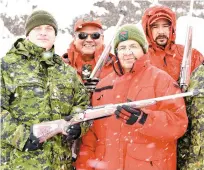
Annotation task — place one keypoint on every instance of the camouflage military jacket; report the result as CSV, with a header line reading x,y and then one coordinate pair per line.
x,y
36,86
191,145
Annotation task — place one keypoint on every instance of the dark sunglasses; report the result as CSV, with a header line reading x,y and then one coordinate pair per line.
x,y
94,36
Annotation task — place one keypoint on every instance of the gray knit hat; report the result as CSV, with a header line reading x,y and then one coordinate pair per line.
x,y
130,32
38,18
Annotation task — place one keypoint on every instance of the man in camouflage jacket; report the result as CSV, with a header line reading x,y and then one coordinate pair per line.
x,y
37,92
191,146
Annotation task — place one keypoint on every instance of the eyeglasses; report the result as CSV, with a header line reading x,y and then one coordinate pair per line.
x,y
94,36
130,48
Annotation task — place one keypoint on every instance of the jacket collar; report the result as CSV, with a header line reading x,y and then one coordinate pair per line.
x,y
161,52
139,65
26,48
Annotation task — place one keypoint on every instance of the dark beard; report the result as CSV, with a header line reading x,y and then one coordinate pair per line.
x,y
161,36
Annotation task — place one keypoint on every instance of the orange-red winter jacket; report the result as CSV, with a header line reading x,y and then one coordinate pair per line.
x,y
169,58
111,144
74,58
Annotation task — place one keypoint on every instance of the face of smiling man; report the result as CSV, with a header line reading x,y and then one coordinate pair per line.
x,y
128,52
89,45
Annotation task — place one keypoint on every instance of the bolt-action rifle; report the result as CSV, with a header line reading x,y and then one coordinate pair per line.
x,y
46,130
107,110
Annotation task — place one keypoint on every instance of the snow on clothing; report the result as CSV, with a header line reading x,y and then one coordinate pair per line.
x,y
192,143
74,58
111,144
36,88
169,58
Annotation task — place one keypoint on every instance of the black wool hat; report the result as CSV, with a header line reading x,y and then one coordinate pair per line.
x,y
38,18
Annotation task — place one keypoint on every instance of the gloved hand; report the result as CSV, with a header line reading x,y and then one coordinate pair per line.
x,y
128,114
91,83
73,131
32,143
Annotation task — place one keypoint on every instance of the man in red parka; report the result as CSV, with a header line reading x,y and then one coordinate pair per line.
x,y
134,139
159,24
86,48
84,52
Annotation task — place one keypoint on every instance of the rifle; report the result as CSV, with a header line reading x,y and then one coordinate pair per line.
x,y
186,62
107,110
97,69
46,130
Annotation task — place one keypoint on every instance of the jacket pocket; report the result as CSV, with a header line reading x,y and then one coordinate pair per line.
x,y
61,92
145,157
62,97
28,99
29,88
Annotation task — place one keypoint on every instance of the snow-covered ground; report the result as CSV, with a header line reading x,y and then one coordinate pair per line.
x,y
65,13
63,40
198,33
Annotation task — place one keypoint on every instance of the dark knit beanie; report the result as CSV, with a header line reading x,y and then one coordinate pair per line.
x,y
38,18
130,32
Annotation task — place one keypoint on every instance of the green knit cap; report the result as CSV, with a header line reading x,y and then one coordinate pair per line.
x,y
130,32
38,18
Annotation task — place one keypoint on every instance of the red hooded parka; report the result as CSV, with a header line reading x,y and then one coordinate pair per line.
x,y
169,58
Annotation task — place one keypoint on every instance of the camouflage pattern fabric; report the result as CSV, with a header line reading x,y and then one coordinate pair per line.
x,y
36,86
191,145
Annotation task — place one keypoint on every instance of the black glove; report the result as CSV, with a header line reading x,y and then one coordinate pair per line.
x,y
91,83
130,115
73,168
73,131
32,143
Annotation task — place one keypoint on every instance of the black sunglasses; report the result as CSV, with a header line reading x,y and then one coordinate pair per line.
x,y
94,36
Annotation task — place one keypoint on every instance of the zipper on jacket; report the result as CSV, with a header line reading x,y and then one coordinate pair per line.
x,y
165,61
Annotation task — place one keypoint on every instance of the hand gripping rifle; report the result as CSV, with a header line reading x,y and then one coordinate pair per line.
x,y
97,69
46,130
107,110
186,62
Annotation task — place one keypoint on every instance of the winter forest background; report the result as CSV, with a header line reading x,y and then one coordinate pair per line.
x,y
13,14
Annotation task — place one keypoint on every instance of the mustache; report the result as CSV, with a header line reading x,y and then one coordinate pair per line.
x,y
161,36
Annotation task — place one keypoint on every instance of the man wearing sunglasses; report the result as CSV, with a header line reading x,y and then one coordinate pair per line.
x,y
83,54
85,50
